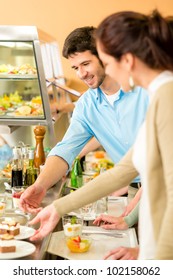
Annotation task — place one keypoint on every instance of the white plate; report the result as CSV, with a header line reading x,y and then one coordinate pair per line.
x,y
18,76
13,114
23,249
25,232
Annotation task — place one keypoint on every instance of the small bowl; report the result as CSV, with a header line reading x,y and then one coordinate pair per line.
x,y
79,244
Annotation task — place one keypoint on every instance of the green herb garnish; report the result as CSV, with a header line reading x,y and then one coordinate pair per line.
x,y
73,220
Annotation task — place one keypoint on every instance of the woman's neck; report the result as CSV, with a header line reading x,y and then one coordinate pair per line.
x,y
143,75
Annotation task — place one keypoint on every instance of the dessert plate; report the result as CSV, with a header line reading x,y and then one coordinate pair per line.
x,y
21,218
23,249
25,232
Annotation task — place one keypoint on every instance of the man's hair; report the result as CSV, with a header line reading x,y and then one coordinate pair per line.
x,y
80,40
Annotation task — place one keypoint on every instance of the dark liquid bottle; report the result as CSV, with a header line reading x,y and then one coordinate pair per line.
x,y
17,168
17,178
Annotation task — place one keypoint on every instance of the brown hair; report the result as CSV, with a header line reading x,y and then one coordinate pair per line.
x,y
150,38
80,40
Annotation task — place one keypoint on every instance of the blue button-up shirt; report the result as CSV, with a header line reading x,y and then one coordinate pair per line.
x,y
115,127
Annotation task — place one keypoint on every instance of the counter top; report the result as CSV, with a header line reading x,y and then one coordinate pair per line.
x,y
41,246
101,242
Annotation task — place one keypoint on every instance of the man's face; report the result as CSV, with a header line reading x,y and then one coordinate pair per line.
x,y
88,68
118,70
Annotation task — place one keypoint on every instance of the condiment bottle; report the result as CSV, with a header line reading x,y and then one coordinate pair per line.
x,y
76,174
31,171
17,168
25,156
39,155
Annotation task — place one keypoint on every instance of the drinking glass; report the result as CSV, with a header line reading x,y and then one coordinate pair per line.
x,y
102,206
16,193
88,212
72,225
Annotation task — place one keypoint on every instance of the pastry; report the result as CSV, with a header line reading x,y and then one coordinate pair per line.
x,y
7,247
9,226
6,236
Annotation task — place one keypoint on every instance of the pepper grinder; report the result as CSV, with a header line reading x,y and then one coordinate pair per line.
x,y
39,155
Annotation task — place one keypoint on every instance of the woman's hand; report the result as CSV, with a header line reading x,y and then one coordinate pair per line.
x,y
110,222
48,219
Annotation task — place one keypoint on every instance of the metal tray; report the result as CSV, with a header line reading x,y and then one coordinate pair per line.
x,y
20,218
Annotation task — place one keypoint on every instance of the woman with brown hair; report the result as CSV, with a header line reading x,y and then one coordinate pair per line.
x,y
137,50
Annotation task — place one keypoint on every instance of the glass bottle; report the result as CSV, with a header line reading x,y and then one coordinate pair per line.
x,y
31,171
25,156
76,174
17,168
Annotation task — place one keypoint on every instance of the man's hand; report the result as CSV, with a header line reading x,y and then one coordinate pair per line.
x,y
31,198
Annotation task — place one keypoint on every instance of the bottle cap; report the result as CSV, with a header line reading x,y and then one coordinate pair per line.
x,y
15,153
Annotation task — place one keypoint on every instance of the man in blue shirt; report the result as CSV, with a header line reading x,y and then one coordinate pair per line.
x,y
104,111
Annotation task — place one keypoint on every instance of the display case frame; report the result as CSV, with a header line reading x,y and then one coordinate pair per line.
x,y
28,34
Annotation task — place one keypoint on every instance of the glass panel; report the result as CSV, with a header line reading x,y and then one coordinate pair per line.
x,y
20,94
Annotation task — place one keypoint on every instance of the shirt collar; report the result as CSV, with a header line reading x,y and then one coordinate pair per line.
x,y
101,98
161,79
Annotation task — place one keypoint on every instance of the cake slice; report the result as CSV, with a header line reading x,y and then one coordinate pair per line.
x,y
5,248
9,226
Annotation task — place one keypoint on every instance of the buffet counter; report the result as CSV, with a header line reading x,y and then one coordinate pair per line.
x,y
54,245
102,240
25,246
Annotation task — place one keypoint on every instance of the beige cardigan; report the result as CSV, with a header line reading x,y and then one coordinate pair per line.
x,y
159,123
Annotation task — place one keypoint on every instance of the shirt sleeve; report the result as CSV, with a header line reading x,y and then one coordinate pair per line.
x,y
132,218
76,137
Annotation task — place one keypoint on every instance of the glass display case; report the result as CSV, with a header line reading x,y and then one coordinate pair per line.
x,y
23,93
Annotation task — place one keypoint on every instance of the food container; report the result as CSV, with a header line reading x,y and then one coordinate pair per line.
x,y
16,194
79,244
72,225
